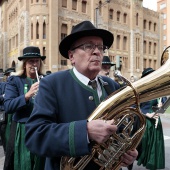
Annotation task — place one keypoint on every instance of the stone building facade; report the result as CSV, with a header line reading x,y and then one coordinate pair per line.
x,y
163,7
44,23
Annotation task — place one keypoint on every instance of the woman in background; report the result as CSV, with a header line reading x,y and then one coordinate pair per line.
x,y
20,91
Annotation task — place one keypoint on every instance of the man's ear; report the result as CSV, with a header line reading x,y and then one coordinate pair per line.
x,y
71,56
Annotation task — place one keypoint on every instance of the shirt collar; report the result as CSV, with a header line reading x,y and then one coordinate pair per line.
x,y
85,80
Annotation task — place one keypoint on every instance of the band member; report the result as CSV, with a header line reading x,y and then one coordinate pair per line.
x,y
106,65
5,120
58,125
154,156
20,90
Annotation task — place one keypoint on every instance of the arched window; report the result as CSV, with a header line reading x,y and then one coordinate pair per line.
x,y
84,6
118,15
37,30
111,14
118,42
124,18
44,30
31,31
137,18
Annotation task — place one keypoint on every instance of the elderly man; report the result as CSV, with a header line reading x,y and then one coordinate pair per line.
x,y
58,125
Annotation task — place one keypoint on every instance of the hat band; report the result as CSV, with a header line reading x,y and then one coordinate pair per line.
x,y
106,63
29,54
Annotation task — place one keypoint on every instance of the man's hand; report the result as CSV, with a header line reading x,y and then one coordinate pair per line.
x,y
129,157
100,130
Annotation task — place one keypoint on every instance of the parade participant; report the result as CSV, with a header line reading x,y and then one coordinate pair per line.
x,y
154,156
4,126
19,100
58,124
106,65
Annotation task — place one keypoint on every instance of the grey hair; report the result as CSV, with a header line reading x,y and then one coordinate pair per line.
x,y
20,70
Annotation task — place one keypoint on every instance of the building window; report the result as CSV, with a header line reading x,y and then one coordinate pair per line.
x,y
17,40
118,42
64,3
44,30
84,4
118,15
155,26
150,24
124,43
154,50
137,18
44,51
164,37
164,16
63,31
111,14
137,44
125,18
64,62
31,31
74,5
144,47
162,6
37,30
150,46
144,24
164,26
100,9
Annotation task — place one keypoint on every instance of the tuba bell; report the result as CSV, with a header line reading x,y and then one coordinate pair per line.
x,y
118,106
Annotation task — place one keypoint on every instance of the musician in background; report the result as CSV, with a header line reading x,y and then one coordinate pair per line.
x,y
58,125
20,91
106,65
4,126
154,156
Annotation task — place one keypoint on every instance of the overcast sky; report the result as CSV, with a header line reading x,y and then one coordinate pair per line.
x,y
151,4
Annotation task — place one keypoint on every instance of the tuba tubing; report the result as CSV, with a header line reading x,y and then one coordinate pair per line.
x,y
154,85
118,106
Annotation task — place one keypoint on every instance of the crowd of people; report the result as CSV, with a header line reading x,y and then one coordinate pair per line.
x,y
47,119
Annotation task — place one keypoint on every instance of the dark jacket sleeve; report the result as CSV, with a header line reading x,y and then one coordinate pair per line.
x,y
46,134
14,95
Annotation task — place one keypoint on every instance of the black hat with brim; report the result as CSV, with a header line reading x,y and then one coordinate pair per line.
x,y
9,70
83,29
106,61
31,52
147,71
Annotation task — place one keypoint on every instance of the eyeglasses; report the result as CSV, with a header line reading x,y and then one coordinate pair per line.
x,y
90,47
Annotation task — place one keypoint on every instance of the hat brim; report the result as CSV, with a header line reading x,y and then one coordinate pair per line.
x,y
66,43
25,57
147,73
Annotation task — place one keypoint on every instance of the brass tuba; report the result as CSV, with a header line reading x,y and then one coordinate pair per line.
x,y
119,107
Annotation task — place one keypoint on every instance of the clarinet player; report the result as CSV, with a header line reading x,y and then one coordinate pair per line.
x,y
20,91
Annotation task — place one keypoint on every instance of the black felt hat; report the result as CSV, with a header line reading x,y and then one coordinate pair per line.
x,y
106,61
31,52
147,71
9,70
48,72
85,28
